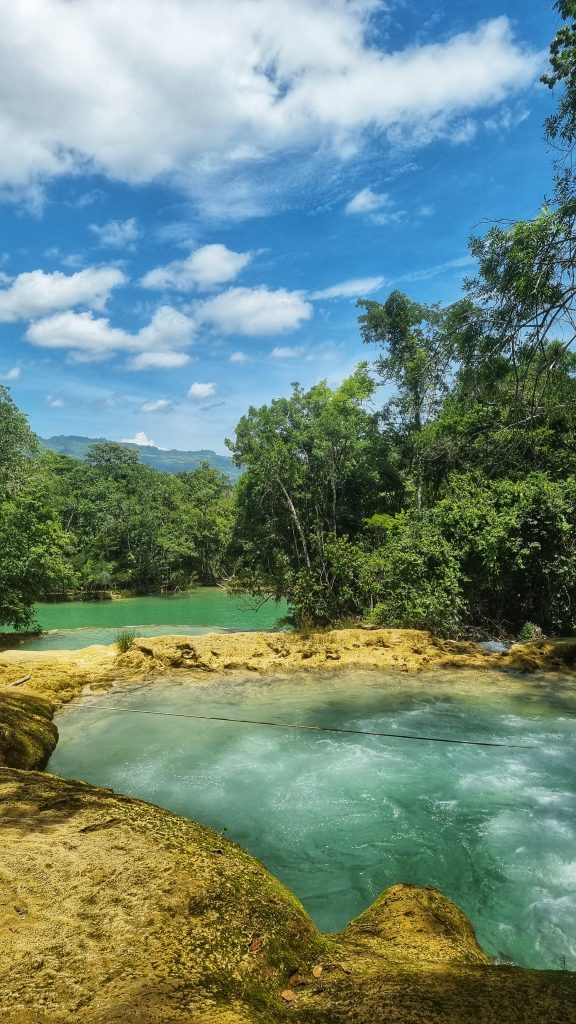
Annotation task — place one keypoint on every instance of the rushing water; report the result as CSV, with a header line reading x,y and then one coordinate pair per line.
x,y
74,624
339,817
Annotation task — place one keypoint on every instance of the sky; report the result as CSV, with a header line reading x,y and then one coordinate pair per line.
x,y
194,195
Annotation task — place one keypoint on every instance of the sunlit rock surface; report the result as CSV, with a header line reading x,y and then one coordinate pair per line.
x,y
113,910
28,735
62,675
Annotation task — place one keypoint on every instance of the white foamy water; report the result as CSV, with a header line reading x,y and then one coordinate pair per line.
x,y
340,817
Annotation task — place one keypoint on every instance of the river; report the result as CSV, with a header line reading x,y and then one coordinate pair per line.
x,y
74,624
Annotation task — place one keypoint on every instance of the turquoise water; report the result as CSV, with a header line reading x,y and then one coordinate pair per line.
x,y
75,624
340,817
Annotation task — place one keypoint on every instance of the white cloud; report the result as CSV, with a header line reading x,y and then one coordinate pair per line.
x,y
54,402
157,405
143,441
285,352
88,338
239,357
159,361
12,374
117,234
367,201
255,311
267,79
37,294
204,268
379,207
355,288
199,390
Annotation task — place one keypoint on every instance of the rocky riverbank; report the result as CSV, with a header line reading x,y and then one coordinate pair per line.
x,y
63,675
114,911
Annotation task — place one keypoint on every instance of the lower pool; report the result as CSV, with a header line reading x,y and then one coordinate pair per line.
x,y
339,817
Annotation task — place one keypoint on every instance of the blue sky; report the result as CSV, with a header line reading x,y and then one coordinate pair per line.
x,y
193,195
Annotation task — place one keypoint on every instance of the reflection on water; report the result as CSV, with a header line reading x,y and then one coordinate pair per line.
x,y
340,817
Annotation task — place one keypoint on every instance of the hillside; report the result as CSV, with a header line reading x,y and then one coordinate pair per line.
x,y
172,461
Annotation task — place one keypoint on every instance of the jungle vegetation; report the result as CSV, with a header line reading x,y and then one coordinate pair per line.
x,y
450,507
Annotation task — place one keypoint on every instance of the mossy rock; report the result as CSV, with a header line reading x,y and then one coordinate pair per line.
x,y
113,911
28,735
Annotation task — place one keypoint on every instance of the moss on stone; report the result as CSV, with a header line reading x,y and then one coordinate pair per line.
x,y
28,735
113,910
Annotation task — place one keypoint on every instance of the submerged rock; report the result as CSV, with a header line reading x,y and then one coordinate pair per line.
x,y
28,735
113,910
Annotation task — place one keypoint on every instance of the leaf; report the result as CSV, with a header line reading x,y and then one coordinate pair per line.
x,y
256,944
317,970
288,995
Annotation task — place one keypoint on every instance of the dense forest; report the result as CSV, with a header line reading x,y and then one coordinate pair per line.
x,y
450,505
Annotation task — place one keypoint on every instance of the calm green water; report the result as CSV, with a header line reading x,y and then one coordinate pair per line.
x,y
206,610
340,817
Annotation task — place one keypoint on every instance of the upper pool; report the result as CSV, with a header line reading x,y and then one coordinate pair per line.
x,y
74,624
339,817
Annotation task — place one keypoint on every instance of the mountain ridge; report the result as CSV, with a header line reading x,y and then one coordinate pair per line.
x,y
171,460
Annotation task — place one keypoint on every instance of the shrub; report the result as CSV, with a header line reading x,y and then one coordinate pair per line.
x,y
125,640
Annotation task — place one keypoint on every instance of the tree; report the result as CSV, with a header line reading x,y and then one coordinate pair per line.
x,y
416,359
316,467
561,125
31,539
17,445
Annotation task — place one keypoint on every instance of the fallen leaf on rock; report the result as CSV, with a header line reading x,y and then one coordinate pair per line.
x,y
317,970
296,980
288,995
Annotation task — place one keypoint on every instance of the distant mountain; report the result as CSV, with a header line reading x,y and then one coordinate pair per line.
x,y
171,461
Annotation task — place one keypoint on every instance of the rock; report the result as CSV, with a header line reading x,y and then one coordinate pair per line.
x,y
60,676
27,734
132,918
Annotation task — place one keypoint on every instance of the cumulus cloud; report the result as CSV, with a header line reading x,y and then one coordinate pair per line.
x,y
199,390
12,374
255,311
379,207
354,288
367,201
157,405
36,294
211,265
158,361
239,357
267,79
117,234
285,352
143,441
92,338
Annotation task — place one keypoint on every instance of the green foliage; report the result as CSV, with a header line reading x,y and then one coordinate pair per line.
x,y
419,583
561,125
529,632
516,544
124,640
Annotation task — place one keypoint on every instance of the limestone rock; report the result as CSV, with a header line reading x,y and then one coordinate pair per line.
x,y
113,911
27,733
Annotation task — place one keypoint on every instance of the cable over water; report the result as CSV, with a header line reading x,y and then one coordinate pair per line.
x,y
301,726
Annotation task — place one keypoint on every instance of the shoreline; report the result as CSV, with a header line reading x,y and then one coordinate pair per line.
x,y
62,675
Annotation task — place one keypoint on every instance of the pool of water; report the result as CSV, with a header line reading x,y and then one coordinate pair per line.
x,y
339,817
75,624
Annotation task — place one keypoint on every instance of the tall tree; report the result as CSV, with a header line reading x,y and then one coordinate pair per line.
x,y
416,358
